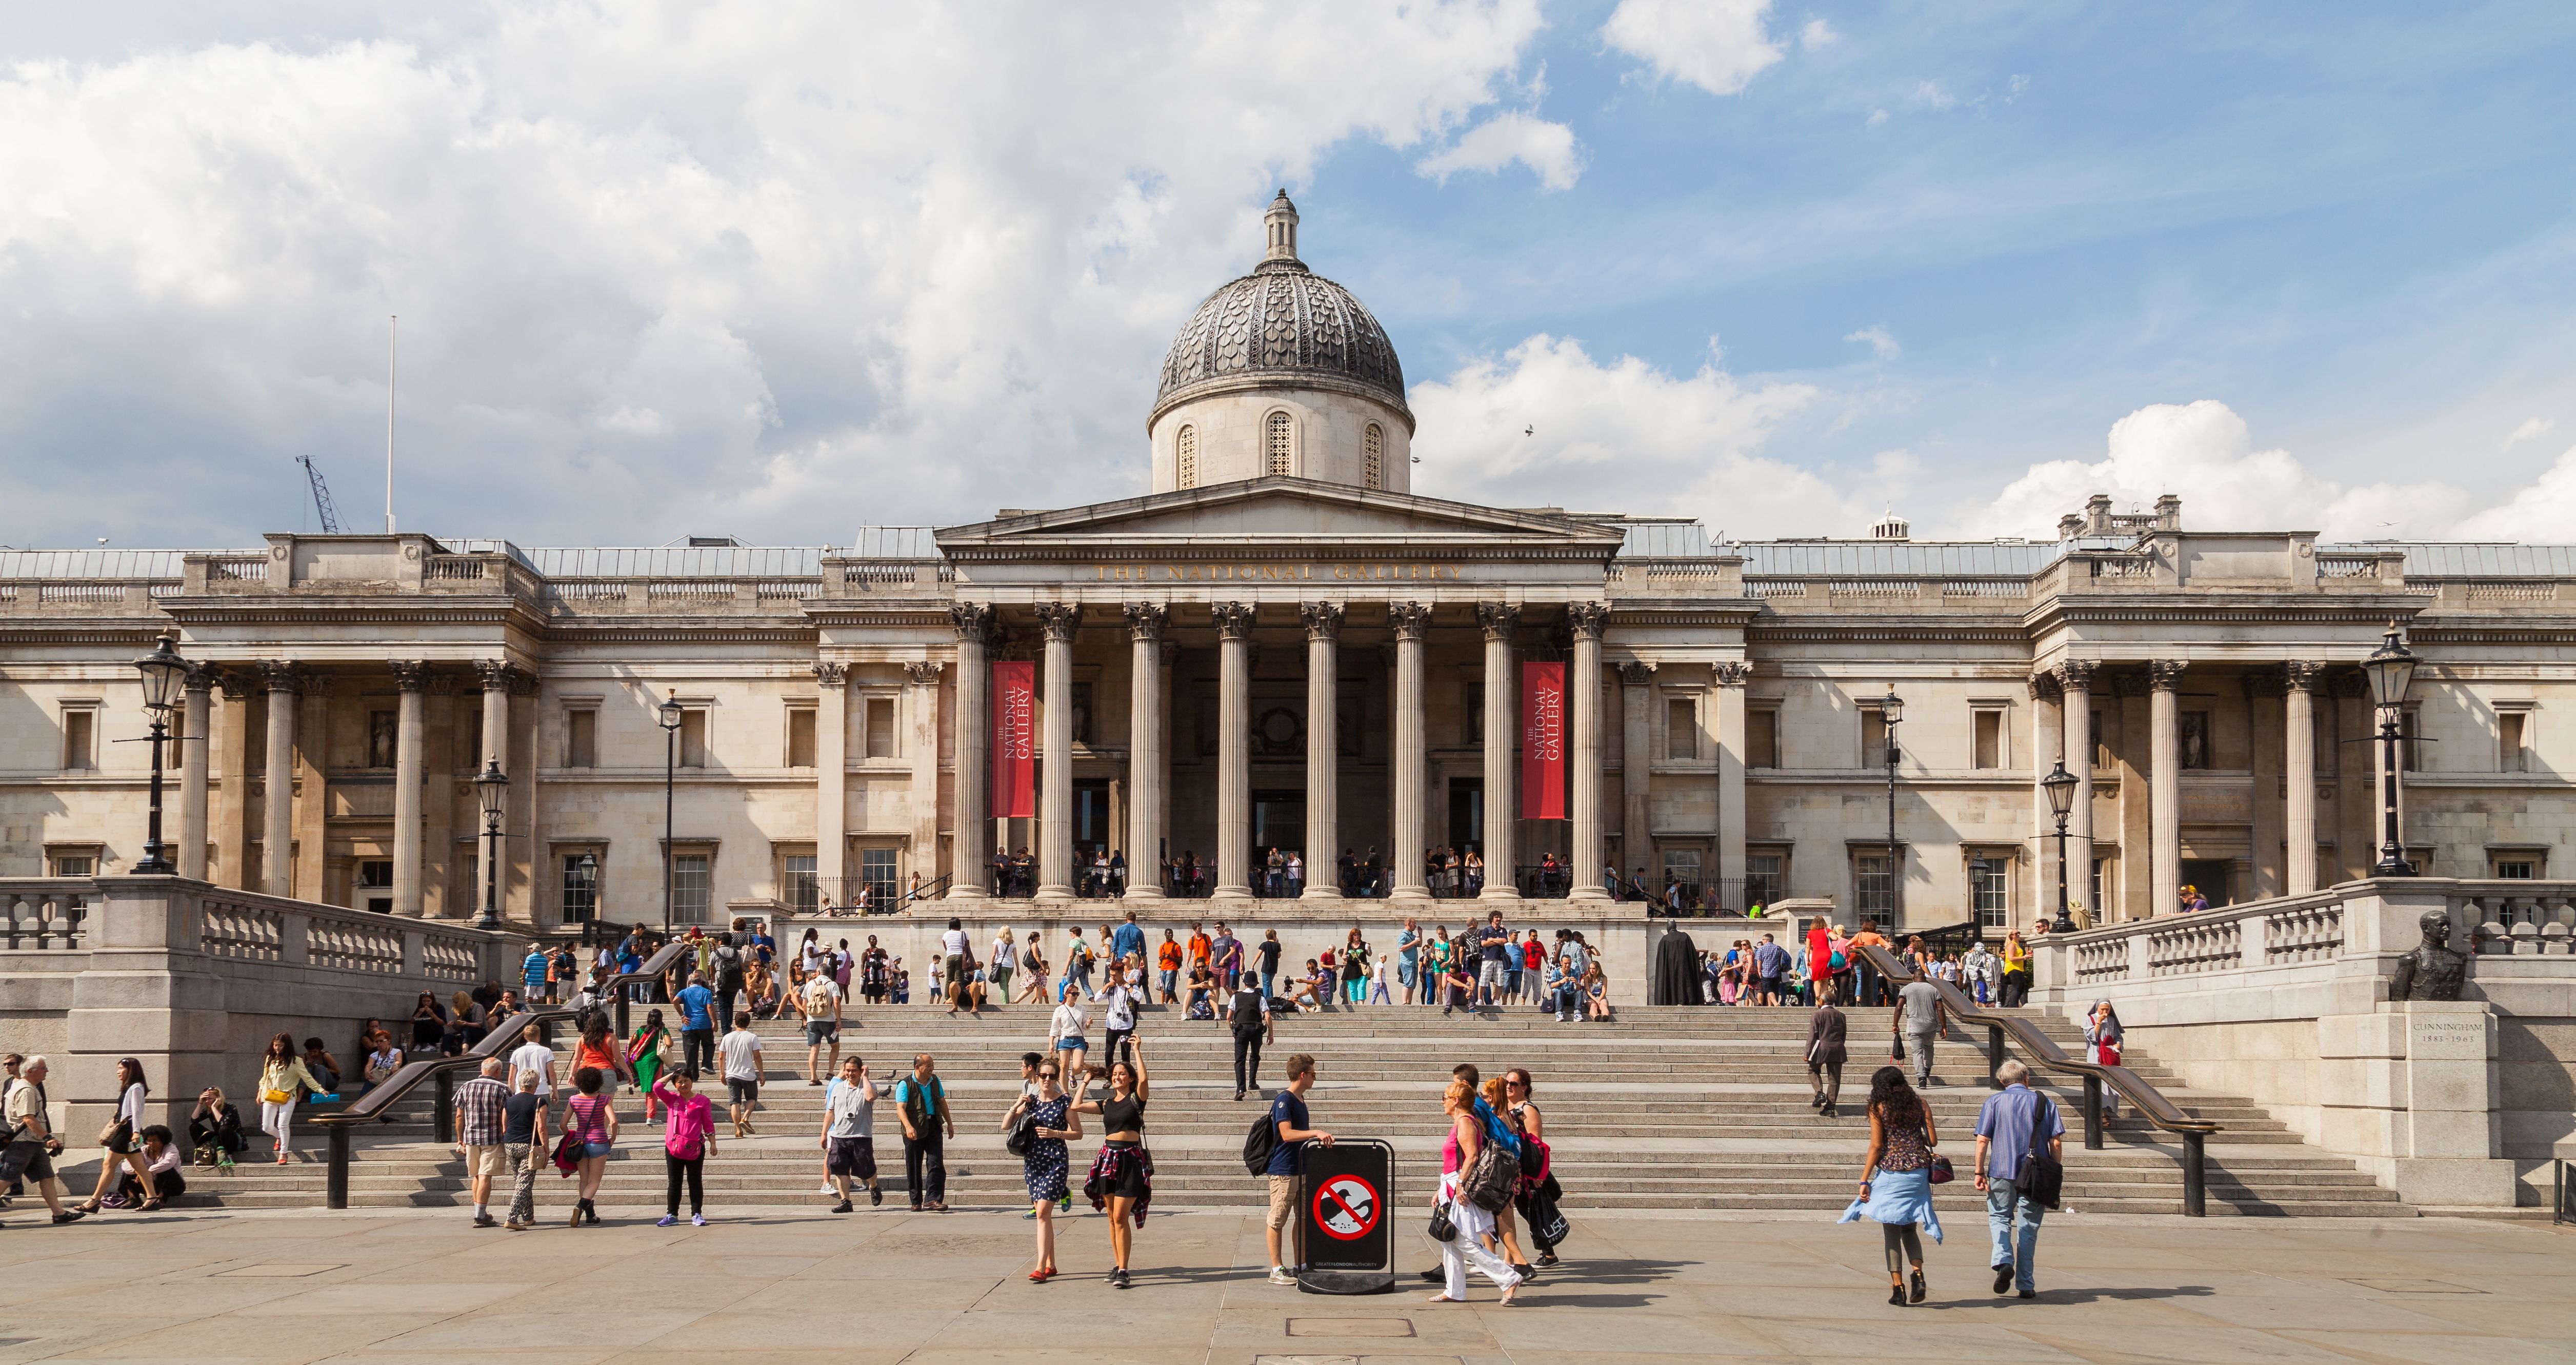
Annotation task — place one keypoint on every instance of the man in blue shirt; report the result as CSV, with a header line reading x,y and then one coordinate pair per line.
x,y
1408,946
697,1026
1288,1113
1127,942
532,970
2014,1120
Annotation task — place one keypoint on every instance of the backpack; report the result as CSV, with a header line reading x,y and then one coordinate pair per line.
x,y
1493,1180
1261,1144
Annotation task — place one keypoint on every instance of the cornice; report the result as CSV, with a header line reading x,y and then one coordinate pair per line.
x,y
1883,634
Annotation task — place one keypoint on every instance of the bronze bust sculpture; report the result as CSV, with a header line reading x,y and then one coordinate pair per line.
x,y
2434,971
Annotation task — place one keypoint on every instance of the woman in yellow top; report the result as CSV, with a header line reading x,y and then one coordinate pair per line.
x,y
2016,969
281,1070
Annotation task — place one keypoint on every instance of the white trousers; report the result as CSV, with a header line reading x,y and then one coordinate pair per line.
x,y
1468,1248
275,1119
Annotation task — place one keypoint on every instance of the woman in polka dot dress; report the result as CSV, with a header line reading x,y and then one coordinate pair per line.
x,y
1043,1163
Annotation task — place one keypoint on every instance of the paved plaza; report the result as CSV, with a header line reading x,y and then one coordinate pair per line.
x,y
782,1286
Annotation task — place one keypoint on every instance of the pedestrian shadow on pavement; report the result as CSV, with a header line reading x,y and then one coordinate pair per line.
x,y
2084,1296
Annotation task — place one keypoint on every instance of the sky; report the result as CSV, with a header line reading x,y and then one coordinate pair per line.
x,y
778,271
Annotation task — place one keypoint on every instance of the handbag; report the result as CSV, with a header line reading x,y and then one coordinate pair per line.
x,y
117,1134
1442,1229
2046,1180
1896,1051
1940,1169
276,1096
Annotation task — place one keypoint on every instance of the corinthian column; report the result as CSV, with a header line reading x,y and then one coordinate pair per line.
x,y
2075,680
410,679
1731,812
1323,747
1636,693
1502,700
2299,774
1234,750
2048,748
1588,619
972,844
1055,754
1145,623
277,784
1404,843
2164,787
195,721
832,779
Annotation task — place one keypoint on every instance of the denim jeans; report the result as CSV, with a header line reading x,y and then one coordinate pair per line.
x,y
2004,1199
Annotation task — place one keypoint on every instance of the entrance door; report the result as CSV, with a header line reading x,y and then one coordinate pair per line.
x,y
1466,813
1278,821
1091,832
2208,874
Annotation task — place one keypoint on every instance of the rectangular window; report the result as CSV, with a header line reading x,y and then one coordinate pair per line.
x,y
881,727
692,883
2510,726
796,882
2517,868
800,737
374,873
1764,876
1987,740
693,742
1989,891
1681,728
71,865
2093,896
580,887
1762,739
1873,739
380,739
877,869
80,739
2193,743
1681,870
581,738
1873,892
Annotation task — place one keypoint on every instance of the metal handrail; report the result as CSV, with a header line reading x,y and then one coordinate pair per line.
x,y
340,1124
2044,1051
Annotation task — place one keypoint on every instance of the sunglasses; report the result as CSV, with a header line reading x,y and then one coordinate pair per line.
x,y
1046,1075
1516,1085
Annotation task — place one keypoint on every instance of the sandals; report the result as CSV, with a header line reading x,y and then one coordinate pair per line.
x,y
150,1206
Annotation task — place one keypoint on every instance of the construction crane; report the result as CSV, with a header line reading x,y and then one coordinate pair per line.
x,y
321,496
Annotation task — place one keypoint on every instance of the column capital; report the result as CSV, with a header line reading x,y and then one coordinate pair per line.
x,y
1412,620
1636,672
1146,622
1498,619
279,677
1323,619
2076,675
201,677
924,672
2045,687
831,674
1587,619
1733,674
1233,620
494,673
2301,675
973,621
1060,619
410,675
2165,675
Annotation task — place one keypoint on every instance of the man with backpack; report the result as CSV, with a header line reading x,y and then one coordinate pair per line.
x,y
1288,1133
1248,1016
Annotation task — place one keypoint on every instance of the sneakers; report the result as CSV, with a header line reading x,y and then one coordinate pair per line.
x,y
668,1220
697,1220
875,1196
1118,1279
1279,1275
843,1207
485,1220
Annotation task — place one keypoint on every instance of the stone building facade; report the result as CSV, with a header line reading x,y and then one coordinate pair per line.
x,y
1301,655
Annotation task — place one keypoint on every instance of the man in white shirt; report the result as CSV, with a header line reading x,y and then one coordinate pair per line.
x,y
738,1053
533,1058
849,1133
819,1000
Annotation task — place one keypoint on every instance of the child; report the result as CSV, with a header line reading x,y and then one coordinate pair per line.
x,y
686,1143
1377,984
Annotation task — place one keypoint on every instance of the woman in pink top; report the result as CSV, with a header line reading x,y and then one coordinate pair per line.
x,y
686,1144
1475,1226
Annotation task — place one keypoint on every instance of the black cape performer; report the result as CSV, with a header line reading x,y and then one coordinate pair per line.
x,y
1676,979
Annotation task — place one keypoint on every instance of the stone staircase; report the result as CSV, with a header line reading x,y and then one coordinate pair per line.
x,y
1666,1108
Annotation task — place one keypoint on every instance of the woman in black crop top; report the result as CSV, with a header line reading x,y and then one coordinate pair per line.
x,y
1121,1175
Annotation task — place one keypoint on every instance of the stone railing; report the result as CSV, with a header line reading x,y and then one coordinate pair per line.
x,y
45,913
244,926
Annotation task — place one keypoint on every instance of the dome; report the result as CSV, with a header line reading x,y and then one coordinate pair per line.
x,y
1281,323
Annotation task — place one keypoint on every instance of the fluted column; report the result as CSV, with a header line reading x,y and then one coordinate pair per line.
x,y
1731,678
832,779
2075,680
1502,706
1055,753
972,846
410,679
2299,774
1234,750
1323,746
195,722
1411,620
1588,619
2047,749
921,745
1637,770
1145,796
277,784
2164,787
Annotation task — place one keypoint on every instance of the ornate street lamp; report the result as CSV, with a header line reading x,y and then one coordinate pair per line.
x,y
163,674
1892,708
2391,670
2060,786
490,786
671,715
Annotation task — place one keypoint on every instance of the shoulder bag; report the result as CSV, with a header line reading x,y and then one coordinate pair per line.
x,y
2045,1181
1443,1228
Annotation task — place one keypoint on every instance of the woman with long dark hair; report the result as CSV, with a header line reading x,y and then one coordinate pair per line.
x,y
1121,1178
281,1069
2102,1038
1042,1165
590,1117
598,1050
644,1058
122,1144
1896,1178
428,1023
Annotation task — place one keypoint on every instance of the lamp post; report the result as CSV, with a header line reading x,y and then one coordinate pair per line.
x,y
670,714
2391,669
1892,708
2060,786
490,786
163,672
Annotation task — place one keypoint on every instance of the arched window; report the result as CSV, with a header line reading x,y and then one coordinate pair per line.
x,y
1281,443
1185,457
1373,457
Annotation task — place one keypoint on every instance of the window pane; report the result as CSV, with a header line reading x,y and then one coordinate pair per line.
x,y
580,887
1681,728
1874,895
581,739
1989,739
876,867
881,727
1762,739
1762,878
796,870
800,737
689,888
2517,869
1681,866
1989,891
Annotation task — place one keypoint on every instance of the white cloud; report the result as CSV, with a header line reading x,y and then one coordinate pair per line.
x,y
787,268
1717,45
1548,149
2531,428
1877,117
1618,435
1881,342
2541,513
1816,34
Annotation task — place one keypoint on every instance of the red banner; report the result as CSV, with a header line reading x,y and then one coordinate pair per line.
x,y
1543,741
1015,740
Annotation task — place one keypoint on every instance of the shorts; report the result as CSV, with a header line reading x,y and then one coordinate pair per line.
x,y
1073,1044
590,1149
855,1157
1769,985
483,1162
1132,1183
742,1092
40,1167
821,1031
1283,1200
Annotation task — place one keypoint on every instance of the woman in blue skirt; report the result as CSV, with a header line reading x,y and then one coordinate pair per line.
x,y
1896,1179
1043,1163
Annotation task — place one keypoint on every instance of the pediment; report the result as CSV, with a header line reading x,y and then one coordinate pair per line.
x,y
1278,512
